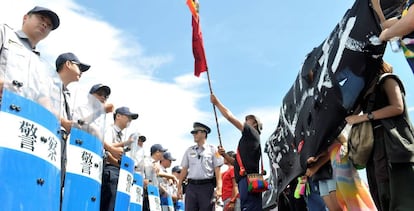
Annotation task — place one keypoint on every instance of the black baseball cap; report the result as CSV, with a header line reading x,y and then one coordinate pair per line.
x,y
52,15
97,87
62,58
157,147
168,156
125,111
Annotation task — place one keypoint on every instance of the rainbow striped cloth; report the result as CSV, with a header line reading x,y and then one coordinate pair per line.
x,y
352,193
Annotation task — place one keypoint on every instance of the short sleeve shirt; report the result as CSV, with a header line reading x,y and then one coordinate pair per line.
x,y
149,170
113,134
249,149
201,161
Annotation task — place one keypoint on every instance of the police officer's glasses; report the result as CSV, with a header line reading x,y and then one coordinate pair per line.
x,y
196,131
102,94
77,63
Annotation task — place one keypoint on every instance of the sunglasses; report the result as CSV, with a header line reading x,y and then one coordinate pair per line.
x,y
77,63
102,94
196,131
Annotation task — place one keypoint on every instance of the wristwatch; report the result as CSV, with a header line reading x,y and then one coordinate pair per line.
x,y
370,116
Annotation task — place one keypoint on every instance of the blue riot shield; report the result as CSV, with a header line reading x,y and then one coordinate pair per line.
x,y
82,187
83,179
137,191
30,148
179,205
166,203
154,197
125,181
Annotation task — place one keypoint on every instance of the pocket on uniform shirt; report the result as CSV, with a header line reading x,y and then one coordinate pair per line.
x,y
207,161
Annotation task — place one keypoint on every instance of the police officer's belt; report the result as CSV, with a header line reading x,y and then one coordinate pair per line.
x,y
200,181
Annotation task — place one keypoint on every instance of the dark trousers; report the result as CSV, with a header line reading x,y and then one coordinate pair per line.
x,y
109,187
378,173
198,197
402,186
145,201
249,201
63,140
314,200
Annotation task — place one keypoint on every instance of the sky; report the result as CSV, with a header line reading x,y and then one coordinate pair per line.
x,y
142,50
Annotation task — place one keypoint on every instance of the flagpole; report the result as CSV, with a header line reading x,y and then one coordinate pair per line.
x,y
193,5
214,108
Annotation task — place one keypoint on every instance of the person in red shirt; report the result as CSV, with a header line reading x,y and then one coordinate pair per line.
x,y
230,191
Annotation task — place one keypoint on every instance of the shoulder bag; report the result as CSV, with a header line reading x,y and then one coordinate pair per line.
x,y
255,181
361,136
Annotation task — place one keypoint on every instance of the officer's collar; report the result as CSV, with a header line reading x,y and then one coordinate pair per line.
x,y
200,147
26,39
117,129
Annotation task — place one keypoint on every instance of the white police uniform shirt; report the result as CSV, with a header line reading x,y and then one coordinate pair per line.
x,y
21,63
164,182
113,134
150,166
139,159
201,161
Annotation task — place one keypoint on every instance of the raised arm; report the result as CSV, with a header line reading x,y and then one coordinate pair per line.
x,y
226,112
401,27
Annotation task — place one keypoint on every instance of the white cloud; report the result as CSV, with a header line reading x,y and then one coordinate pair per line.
x,y
166,109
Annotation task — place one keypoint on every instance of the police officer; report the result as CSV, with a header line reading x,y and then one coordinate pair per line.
x,y
18,54
114,136
201,166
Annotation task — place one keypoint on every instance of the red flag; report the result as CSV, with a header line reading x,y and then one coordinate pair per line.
x,y
200,64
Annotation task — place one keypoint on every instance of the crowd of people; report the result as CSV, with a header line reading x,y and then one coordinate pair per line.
x,y
199,181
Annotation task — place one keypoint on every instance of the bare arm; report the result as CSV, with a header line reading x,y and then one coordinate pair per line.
x,y
219,181
226,112
377,8
321,160
400,28
235,190
183,175
167,176
396,107
116,152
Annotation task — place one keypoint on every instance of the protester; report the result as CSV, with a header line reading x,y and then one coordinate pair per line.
x,y
391,166
249,151
326,180
230,190
401,28
313,200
